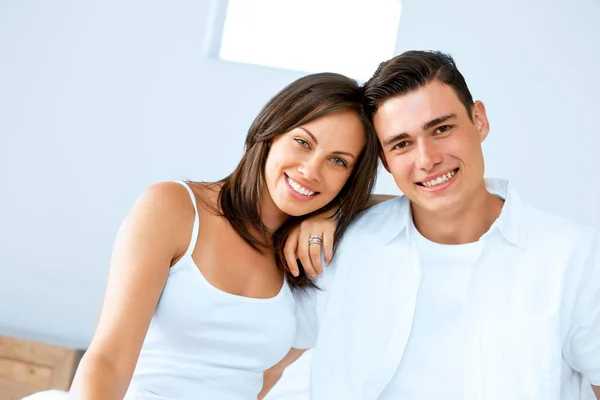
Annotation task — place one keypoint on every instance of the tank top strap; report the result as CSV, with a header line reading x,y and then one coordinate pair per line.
x,y
192,246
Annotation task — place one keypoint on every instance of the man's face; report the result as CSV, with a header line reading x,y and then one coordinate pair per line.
x,y
432,148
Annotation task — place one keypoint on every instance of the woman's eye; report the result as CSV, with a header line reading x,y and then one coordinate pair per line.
x,y
339,161
302,142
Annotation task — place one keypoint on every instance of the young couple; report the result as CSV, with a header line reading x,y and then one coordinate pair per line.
x,y
456,290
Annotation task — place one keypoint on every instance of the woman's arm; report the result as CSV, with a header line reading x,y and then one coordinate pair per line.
x,y
323,225
273,374
151,236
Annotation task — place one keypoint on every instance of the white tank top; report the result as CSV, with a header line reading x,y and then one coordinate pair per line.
x,y
204,343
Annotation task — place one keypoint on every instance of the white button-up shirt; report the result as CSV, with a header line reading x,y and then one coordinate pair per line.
x,y
532,307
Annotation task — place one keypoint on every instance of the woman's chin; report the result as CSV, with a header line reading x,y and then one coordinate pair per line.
x,y
295,206
295,211
298,210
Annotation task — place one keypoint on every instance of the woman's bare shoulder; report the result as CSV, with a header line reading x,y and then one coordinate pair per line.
x,y
207,196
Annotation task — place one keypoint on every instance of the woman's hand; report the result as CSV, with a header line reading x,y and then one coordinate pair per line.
x,y
297,245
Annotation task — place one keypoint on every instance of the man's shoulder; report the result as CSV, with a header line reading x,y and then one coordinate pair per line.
x,y
379,215
549,227
363,242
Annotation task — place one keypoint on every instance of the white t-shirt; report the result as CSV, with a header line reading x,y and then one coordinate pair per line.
x,y
433,362
531,311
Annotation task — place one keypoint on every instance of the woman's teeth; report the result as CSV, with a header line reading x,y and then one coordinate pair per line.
x,y
439,180
299,189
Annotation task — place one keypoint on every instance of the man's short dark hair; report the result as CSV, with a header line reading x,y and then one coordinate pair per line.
x,y
410,71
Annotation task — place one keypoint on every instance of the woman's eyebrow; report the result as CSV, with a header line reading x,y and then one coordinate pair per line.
x,y
309,133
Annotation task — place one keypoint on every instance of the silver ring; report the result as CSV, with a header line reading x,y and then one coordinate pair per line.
x,y
315,240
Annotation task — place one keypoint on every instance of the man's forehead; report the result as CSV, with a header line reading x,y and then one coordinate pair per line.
x,y
434,94
400,116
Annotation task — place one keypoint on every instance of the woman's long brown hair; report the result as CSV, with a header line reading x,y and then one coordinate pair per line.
x,y
302,101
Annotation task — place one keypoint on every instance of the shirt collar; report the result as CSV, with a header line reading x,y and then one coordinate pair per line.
x,y
510,224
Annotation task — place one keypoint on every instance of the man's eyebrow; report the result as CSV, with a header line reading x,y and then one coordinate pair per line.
x,y
436,121
426,126
395,138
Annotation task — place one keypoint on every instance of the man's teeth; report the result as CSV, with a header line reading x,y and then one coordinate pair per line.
x,y
439,180
298,188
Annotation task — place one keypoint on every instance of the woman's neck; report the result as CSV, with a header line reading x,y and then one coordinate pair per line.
x,y
272,217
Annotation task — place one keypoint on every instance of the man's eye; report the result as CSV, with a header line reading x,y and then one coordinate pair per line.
x,y
400,146
442,129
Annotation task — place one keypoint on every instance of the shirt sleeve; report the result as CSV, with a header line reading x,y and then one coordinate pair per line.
x,y
306,316
582,344
309,307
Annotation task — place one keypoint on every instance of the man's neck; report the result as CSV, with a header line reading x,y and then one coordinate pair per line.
x,y
463,225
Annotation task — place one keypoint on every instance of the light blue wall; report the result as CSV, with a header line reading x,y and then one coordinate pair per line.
x,y
100,99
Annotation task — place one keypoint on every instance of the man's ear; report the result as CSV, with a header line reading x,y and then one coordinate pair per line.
x,y
480,120
382,158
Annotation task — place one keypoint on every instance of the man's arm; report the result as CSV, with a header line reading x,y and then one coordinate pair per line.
x,y
582,342
273,374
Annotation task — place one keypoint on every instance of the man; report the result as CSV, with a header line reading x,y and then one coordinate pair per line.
x,y
458,289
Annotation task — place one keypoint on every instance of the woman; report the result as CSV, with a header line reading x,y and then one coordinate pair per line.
x,y
198,302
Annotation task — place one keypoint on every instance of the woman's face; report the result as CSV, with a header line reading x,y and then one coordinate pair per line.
x,y
308,166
